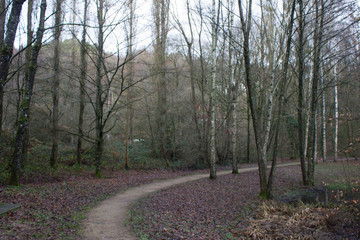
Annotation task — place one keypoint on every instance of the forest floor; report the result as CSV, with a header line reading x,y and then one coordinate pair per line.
x,y
54,208
227,208
107,221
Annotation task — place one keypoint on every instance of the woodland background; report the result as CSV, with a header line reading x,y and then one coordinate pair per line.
x,y
223,82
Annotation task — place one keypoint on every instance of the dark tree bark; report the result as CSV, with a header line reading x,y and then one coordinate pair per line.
x,y
261,121
28,59
2,32
301,72
318,34
83,69
282,90
99,104
25,105
161,19
7,45
129,108
55,86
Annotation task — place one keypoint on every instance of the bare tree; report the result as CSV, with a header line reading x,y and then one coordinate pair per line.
x,y
213,56
3,11
26,101
318,36
161,20
7,45
129,109
262,105
82,80
55,85
336,115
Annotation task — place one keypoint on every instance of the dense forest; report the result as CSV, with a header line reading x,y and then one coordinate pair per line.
x,y
182,84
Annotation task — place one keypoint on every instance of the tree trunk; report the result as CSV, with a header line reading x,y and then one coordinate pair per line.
x,y
248,139
336,116
7,45
161,18
260,141
83,69
25,105
301,72
99,90
129,108
323,116
282,91
2,32
213,92
318,33
55,86
28,58
233,86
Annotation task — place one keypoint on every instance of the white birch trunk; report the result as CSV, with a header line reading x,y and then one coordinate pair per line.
x,y
307,117
315,138
323,121
212,96
336,116
232,62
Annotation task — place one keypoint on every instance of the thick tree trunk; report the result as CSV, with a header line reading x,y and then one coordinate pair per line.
x,y
55,87
25,105
83,69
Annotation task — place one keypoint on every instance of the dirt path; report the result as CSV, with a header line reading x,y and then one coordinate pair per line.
x,y
107,220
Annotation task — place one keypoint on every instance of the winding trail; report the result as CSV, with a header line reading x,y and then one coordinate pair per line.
x,y
107,220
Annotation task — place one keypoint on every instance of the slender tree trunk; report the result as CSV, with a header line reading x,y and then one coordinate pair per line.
x,y
2,32
260,143
213,92
99,90
7,45
234,87
307,117
323,116
83,69
318,33
25,105
336,117
28,58
282,90
161,15
130,81
301,72
248,139
73,62
55,86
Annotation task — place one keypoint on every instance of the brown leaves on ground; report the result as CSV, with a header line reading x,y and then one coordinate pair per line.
x,y
55,210
281,221
228,208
